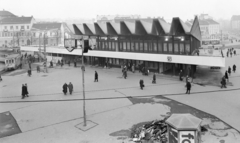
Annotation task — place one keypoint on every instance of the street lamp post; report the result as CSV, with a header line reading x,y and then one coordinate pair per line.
x,y
83,69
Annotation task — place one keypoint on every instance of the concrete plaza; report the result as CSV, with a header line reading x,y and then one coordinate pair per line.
x,y
58,121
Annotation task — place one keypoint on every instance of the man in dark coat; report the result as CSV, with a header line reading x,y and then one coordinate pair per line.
x,y
180,75
154,78
141,82
188,87
223,82
226,76
96,77
0,78
65,86
234,68
23,91
29,72
229,70
70,87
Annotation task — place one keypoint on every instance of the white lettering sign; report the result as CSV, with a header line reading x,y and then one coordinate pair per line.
x,y
187,136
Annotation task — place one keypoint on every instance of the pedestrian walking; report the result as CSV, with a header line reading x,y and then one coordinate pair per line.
x,y
0,77
231,53
227,53
65,86
141,82
58,63
223,82
133,68
51,64
75,63
229,70
96,77
226,76
26,90
235,52
234,68
23,91
29,72
38,68
180,75
154,78
70,87
188,87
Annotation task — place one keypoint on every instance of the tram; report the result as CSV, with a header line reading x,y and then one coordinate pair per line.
x,y
12,62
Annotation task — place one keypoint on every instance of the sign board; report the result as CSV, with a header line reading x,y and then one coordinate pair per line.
x,y
169,58
187,137
70,44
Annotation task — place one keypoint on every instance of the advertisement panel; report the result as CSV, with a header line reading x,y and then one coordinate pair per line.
x,y
187,136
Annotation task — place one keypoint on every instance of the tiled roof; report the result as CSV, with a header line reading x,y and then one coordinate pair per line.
x,y
4,13
211,21
16,20
235,18
137,27
46,26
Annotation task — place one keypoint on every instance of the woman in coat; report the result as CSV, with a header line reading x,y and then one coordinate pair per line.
x,y
70,87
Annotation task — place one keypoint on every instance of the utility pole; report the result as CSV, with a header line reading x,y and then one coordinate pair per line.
x,y
45,58
83,69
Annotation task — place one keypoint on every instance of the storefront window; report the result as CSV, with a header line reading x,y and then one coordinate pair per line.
x,y
103,45
106,45
176,48
181,48
165,47
116,45
170,48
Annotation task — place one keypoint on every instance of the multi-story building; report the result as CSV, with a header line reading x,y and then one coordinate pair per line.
x,y
235,22
114,18
210,29
14,30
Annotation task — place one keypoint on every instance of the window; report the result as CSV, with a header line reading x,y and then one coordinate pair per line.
x,y
165,47
22,41
136,46
176,48
141,46
116,45
145,46
150,46
120,46
155,46
16,27
187,48
132,46
27,27
11,34
11,27
181,48
22,27
159,46
128,46
113,45
103,45
170,48
124,46
109,45
5,27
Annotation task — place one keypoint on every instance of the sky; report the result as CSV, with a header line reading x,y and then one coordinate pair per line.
x,y
89,9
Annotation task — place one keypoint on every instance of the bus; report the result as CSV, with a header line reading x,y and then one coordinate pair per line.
x,y
210,41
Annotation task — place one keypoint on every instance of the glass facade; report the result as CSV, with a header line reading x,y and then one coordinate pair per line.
x,y
145,44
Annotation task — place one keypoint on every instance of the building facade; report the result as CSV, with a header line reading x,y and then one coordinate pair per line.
x,y
235,22
156,45
15,31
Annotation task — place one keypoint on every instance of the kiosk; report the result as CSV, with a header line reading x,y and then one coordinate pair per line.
x,y
183,128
